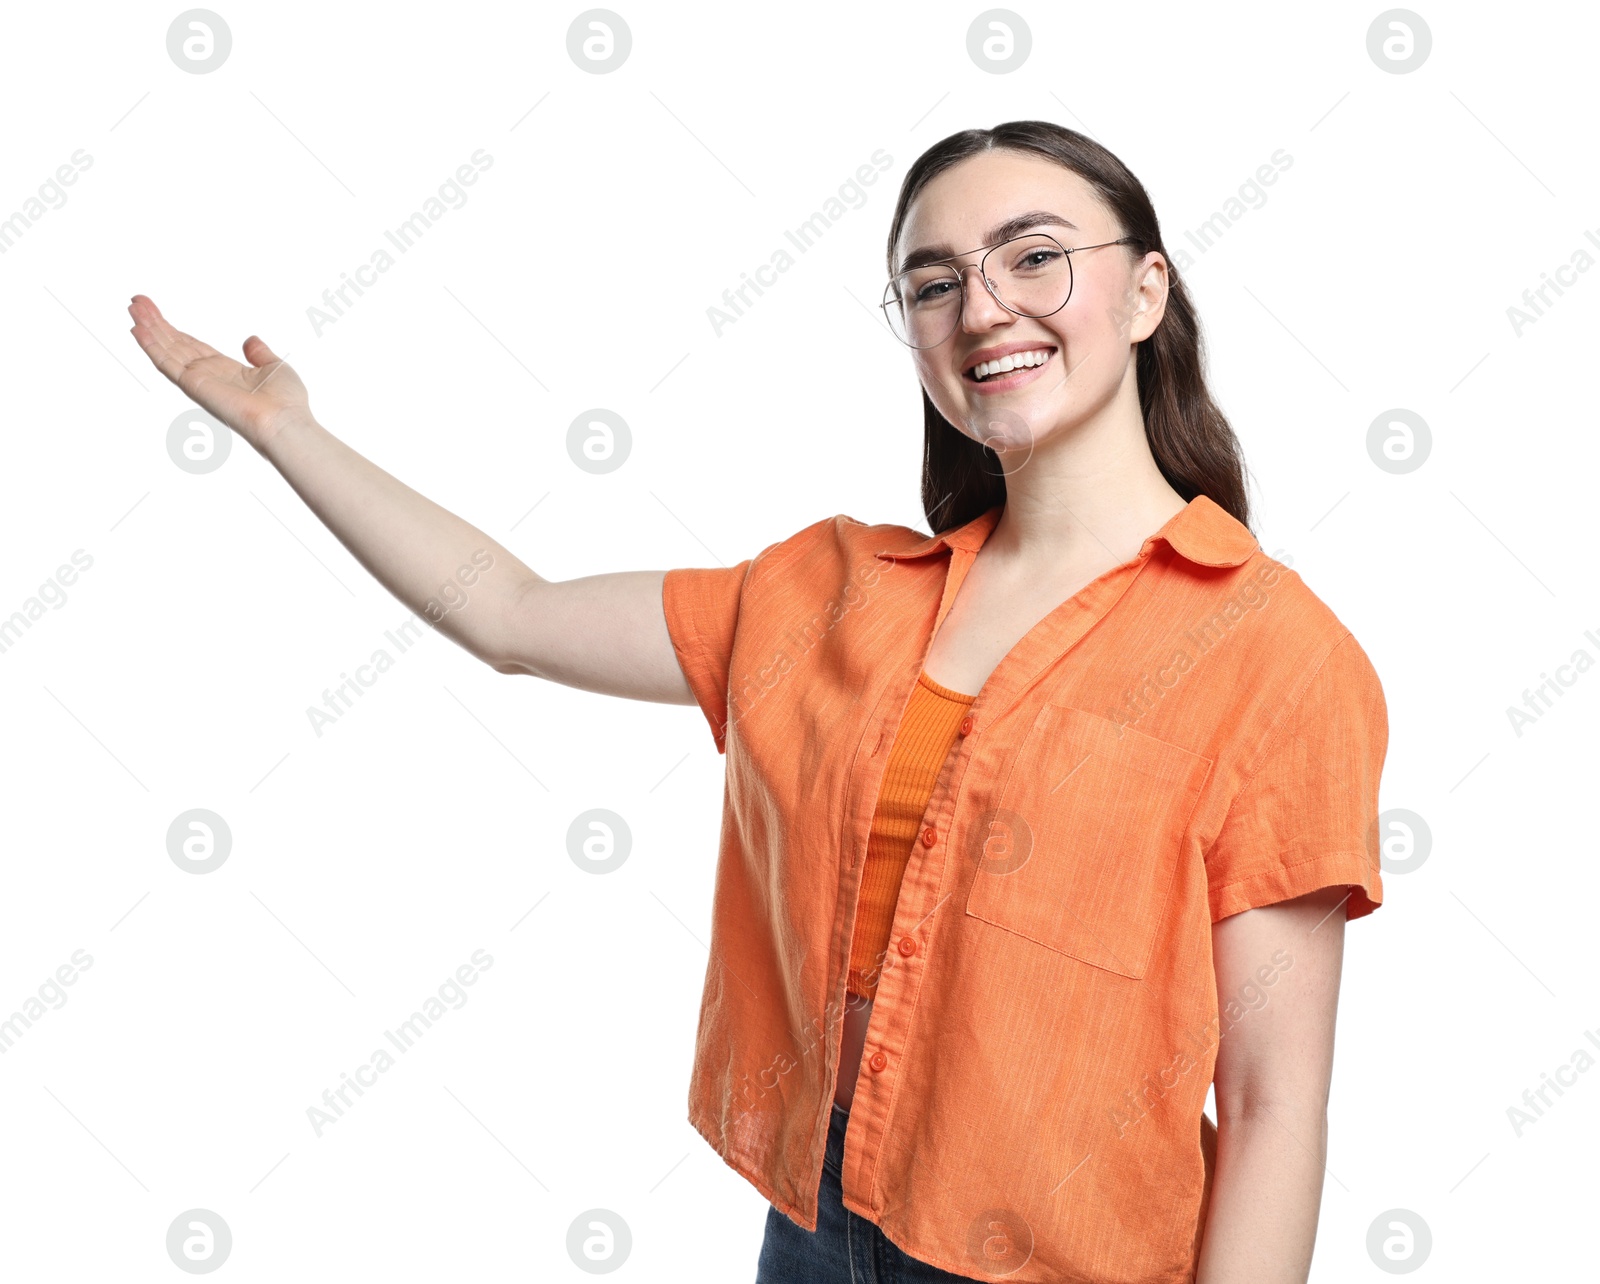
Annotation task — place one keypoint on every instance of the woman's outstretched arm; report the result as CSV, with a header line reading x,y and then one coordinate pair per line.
x,y
603,633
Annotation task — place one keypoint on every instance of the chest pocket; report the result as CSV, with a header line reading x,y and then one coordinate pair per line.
x,y
1084,843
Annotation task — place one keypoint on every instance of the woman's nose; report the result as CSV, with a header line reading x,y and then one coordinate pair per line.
x,y
979,309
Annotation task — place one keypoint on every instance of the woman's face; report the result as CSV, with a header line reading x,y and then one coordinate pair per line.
x,y
1117,299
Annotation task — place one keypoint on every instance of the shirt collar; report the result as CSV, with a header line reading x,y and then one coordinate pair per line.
x,y
1202,531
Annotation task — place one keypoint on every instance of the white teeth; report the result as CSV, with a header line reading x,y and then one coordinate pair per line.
x,y
1036,357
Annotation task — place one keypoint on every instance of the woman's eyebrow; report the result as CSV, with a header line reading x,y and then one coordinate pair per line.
x,y
927,254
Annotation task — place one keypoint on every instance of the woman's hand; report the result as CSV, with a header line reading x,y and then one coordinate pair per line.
x,y
256,400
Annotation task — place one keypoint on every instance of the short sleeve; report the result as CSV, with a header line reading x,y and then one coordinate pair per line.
x,y
702,612
1307,816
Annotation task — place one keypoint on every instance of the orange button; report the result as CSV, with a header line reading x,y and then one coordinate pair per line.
x,y
928,837
878,1061
908,946
966,725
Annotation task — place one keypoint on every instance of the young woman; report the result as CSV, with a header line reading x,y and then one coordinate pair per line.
x,y
1034,827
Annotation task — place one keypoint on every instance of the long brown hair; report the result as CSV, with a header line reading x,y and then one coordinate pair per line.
x,y
1193,443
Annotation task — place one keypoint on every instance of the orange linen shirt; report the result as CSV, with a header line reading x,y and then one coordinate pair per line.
x,y
1191,734
922,742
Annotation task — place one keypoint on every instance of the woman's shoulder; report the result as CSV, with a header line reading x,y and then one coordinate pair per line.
x,y
1295,629
840,536
831,556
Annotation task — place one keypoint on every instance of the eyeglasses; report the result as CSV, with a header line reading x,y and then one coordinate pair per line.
x,y
1032,277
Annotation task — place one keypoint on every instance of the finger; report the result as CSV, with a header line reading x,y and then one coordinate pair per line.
x,y
162,356
185,349
183,346
171,367
181,362
149,321
257,353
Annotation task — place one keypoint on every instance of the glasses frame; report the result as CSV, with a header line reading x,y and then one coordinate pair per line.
x,y
961,279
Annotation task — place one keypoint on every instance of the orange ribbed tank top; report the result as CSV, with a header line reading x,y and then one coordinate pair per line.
x,y
921,745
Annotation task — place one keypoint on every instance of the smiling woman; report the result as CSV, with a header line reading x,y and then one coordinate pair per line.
x,y
1066,195
962,902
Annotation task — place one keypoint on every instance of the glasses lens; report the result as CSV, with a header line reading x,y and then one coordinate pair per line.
x,y
922,305
1031,275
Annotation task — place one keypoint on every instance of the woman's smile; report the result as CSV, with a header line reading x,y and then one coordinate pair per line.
x,y
986,370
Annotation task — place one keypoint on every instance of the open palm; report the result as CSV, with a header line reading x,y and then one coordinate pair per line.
x,y
255,400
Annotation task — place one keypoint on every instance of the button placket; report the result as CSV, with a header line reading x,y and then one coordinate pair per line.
x,y
886,1027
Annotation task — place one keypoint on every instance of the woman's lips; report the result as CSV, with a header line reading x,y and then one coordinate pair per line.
x,y
1011,379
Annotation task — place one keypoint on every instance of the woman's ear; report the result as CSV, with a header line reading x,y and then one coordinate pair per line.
x,y
1149,293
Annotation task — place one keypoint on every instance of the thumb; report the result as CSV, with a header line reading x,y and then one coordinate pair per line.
x,y
257,352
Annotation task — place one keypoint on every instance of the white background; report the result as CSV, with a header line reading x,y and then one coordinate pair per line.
x,y
370,862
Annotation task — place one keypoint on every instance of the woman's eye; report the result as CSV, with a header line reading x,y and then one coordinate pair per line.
x,y
934,291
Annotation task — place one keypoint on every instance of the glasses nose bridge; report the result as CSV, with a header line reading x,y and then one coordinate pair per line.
x,y
988,286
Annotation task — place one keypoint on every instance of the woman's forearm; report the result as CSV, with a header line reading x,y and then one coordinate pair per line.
x,y
442,567
599,632
1266,1193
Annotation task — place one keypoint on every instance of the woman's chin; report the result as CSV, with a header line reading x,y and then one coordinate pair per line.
x,y
1006,431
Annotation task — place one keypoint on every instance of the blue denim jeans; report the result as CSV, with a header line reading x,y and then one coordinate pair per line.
x,y
845,1248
